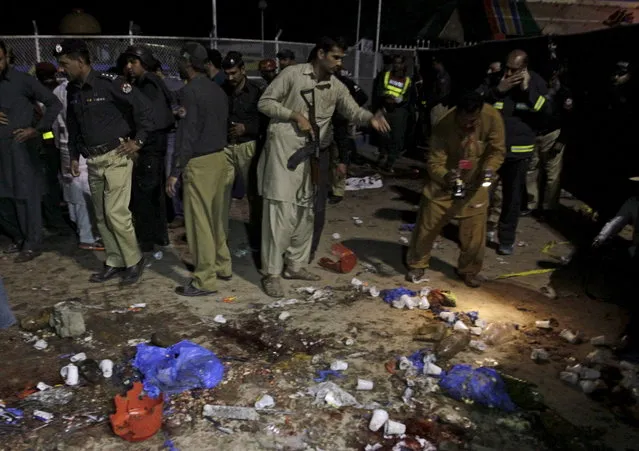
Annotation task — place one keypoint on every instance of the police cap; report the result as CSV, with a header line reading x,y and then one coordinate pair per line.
x,y
142,53
195,53
232,59
68,46
286,54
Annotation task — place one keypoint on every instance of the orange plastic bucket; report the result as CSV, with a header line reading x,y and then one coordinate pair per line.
x,y
136,417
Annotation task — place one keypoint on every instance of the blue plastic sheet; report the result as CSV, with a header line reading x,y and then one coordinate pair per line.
x,y
395,293
482,385
322,375
180,367
474,316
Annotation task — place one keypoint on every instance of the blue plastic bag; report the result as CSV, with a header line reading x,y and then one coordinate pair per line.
x,y
393,294
180,367
483,386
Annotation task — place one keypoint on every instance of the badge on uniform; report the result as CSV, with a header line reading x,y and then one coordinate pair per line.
x,y
465,164
127,88
181,112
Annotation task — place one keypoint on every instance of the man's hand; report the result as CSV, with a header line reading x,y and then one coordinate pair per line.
x,y
379,123
24,134
128,147
506,84
525,82
4,119
303,124
450,177
171,184
237,130
341,169
74,169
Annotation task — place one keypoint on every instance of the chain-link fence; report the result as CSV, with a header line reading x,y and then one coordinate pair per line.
x,y
105,50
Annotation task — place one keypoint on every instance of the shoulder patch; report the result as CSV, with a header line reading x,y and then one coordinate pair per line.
x,y
109,76
127,88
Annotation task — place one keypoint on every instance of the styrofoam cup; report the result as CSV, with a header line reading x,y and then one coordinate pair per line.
x,y
363,384
394,428
70,374
106,366
379,418
79,357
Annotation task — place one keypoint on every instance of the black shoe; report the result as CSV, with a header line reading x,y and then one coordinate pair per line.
x,y
225,278
191,291
14,248
526,212
334,200
27,256
133,273
108,273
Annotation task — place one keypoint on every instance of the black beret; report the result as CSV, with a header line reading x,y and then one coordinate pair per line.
x,y
70,46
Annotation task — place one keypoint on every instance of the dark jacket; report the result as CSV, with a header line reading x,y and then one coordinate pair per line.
x,y
104,109
524,113
202,128
160,98
243,109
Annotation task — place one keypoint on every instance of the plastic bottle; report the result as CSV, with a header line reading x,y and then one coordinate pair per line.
x,y
498,333
453,344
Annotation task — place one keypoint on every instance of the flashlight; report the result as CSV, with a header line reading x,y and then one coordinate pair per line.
x,y
459,190
488,178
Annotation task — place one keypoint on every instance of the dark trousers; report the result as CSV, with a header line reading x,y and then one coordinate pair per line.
x,y
148,199
21,220
321,197
51,200
394,143
513,178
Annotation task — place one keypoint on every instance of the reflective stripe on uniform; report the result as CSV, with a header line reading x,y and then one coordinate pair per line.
x,y
499,105
392,90
540,102
522,149
47,135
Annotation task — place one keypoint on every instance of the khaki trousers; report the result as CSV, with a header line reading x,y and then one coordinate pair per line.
x,y
338,181
544,172
431,220
242,160
110,183
205,199
287,232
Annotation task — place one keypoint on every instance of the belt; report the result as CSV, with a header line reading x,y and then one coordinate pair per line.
x,y
101,149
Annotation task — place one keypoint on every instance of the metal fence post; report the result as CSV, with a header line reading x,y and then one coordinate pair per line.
x,y
277,45
36,40
357,53
130,32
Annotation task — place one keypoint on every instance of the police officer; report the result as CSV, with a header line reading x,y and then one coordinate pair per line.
x,y
286,58
244,129
200,158
21,181
395,93
268,70
148,202
108,122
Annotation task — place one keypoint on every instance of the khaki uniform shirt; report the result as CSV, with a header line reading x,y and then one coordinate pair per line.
x,y
483,149
280,99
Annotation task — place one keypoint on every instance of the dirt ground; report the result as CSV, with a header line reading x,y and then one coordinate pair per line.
x,y
379,333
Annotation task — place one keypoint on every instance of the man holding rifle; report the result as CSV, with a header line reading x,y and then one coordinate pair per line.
x,y
300,103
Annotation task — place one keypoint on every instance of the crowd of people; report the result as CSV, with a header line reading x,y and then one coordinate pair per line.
x,y
113,145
